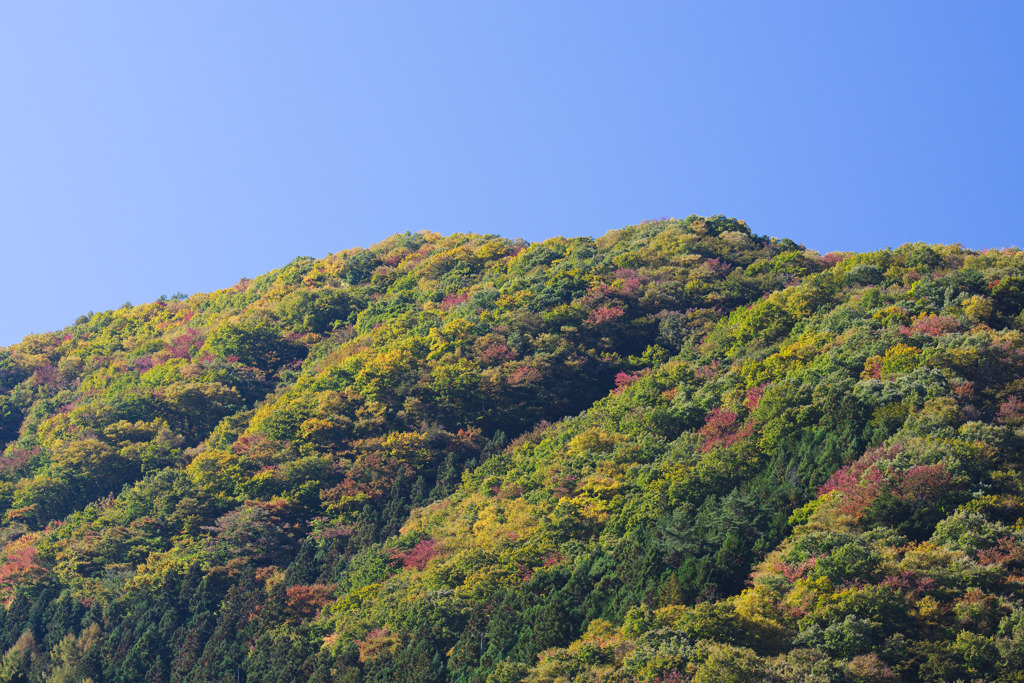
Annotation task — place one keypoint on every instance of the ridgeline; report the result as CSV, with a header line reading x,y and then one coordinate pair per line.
x,y
680,451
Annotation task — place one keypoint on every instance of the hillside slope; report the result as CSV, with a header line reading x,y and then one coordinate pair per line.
x,y
678,451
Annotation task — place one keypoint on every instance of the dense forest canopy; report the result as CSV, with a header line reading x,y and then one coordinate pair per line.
x,y
680,451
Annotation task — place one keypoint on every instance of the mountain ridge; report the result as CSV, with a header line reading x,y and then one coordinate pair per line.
x,y
677,451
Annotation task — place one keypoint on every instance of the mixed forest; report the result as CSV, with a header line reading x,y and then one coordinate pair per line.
x,y
681,451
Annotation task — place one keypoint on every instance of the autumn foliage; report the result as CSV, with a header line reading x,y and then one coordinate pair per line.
x,y
680,451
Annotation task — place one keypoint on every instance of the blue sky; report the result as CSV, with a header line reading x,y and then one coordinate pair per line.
x,y
149,148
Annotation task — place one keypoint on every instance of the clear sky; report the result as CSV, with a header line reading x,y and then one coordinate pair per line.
x,y
148,148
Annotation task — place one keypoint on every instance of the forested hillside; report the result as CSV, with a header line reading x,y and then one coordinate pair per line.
x,y
680,451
